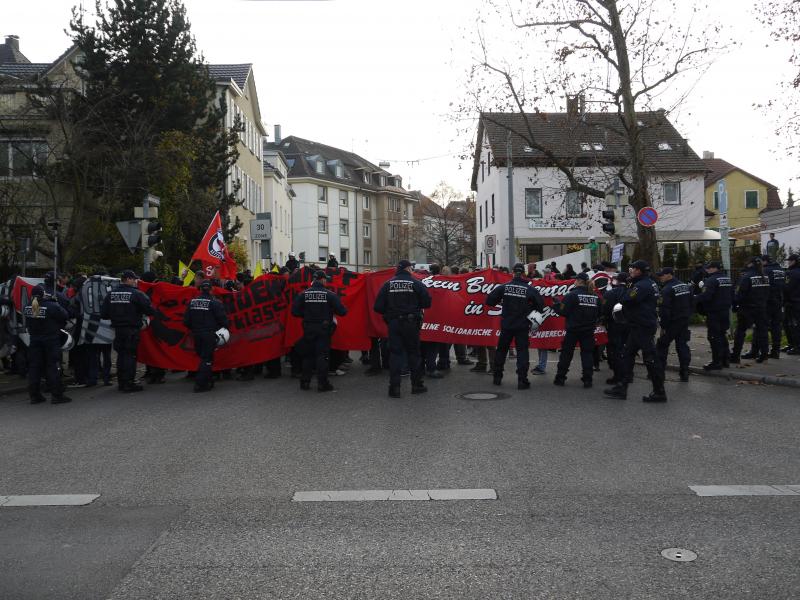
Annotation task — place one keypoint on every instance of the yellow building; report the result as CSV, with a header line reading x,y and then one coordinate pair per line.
x,y
748,195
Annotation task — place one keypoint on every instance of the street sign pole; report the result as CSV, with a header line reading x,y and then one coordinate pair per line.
x,y
724,241
512,250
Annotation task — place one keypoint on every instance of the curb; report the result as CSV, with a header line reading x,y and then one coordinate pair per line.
x,y
765,379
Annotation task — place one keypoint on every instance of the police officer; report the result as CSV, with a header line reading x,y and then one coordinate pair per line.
x,y
715,303
791,303
126,306
750,303
639,305
518,299
581,307
317,306
674,310
401,301
777,282
45,318
203,317
616,326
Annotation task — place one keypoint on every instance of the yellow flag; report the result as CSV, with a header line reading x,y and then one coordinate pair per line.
x,y
259,271
275,268
185,273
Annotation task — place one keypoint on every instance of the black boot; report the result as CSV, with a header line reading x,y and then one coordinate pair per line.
x,y
60,399
394,391
712,366
684,374
325,387
523,384
734,359
560,380
749,355
618,392
305,385
776,353
418,388
37,398
498,378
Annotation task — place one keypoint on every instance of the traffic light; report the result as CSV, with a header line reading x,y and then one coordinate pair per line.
x,y
153,234
608,225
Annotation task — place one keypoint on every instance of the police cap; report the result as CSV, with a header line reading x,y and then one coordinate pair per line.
x,y
319,275
205,285
519,268
665,271
713,264
37,292
128,274
582,277
641,265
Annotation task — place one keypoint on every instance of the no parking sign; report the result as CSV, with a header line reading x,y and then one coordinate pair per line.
x,y
648,216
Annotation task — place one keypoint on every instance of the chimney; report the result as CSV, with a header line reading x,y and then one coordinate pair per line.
x,y
277,134
12,41
572,106
707,155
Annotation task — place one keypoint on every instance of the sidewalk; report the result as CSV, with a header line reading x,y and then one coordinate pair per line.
x,y
785,371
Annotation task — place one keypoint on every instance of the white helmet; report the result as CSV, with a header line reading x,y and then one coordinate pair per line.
x,y
617,313
67,341
223,336
536,319
145,323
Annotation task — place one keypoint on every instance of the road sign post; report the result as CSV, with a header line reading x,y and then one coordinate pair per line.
x,y
724,240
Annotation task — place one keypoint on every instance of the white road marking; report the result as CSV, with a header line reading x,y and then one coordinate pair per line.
x,y
394,495
746,490
49,500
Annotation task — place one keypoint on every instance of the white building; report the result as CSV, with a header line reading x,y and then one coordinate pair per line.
x,y
279,196
550,219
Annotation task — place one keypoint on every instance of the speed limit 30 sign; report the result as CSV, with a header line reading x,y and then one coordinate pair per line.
x,y
260,229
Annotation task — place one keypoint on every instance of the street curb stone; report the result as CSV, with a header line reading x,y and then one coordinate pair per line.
x,y
766,379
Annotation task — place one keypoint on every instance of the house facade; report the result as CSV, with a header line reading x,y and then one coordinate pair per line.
x,y
237,88
551,219
278,196
346,206
748,195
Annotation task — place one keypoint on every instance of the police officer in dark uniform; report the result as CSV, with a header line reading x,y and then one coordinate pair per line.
x,y
581,308
401,301
750,303
45,319
317,307
639,304
791,304
616,326
674,310
203,317
126,306
518,299
715,303
777,282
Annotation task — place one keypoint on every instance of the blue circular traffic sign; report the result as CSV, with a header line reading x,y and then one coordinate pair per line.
x,y
648,216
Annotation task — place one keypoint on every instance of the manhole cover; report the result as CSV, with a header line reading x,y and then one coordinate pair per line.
x,y
482,396
679,554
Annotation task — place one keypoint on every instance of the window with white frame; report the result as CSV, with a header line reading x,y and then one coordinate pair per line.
x,y
344,227
323,224
716,200
751,199
323,253
672,192
573,204
366,177
480,218
367,257
392,231
366,202
21,157
339,170
382,180
366,230
344,255
322,193
343,198
320,166
533,203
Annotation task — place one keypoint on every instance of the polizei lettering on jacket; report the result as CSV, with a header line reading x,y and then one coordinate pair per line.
x,y
121,297
400,286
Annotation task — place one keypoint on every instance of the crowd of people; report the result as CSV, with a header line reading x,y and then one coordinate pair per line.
x,y
631,307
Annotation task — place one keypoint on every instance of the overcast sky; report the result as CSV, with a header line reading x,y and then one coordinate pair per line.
x,y
378,77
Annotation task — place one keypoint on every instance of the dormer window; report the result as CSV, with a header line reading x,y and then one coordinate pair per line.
x,y
339,171
586,147
597,146
664,146
366,177
382,180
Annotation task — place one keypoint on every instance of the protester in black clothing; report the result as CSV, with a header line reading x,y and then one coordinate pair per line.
x,y
518,299
639,304
125,307
332,262
715,303
401,301
581,308
698,275
750,304
292,263
45,318
204,317
675,309
317,307
791,303
569,272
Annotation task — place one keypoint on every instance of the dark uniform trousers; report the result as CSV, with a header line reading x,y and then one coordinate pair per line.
x,y
717,324
641,339
756,318
617,335
521,341
404,342
204,344
678,332
791,321
584,337
775,325
126,343
316,350
44,354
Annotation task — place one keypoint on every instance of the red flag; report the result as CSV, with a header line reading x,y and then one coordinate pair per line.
x,y
213,252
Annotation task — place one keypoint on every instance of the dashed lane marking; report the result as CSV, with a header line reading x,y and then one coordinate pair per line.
x,y
48,500
394,495
746,490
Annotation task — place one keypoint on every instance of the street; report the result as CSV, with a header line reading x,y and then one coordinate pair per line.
x,y
195,491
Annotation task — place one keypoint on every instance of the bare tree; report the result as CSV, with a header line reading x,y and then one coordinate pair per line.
x,y
445,228
623,55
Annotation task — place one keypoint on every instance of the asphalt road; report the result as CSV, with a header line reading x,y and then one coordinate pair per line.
x,y
195,492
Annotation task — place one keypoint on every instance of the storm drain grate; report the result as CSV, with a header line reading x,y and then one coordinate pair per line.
x,y
482,396
678,554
